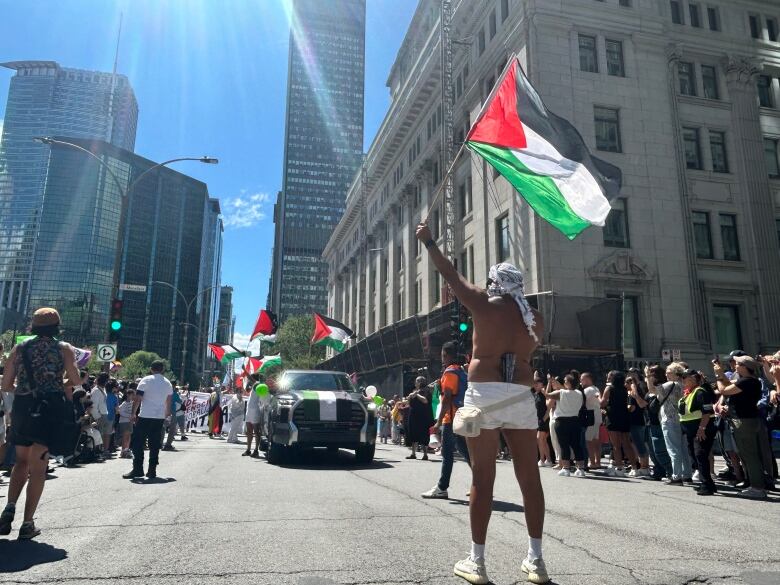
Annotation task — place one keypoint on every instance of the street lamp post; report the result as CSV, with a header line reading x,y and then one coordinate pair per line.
x,y
124,193
188,304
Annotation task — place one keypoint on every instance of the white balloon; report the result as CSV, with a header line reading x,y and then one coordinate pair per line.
x,y
371,391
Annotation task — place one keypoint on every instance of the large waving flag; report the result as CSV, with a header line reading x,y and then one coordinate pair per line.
x,y
225,352
268,362
543,156
330,333
251,365
266,324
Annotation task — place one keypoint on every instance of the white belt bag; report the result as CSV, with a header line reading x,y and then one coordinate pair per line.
x,y
468,420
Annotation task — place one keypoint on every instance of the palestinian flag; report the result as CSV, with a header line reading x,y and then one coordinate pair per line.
x,y
251,365
543,156
330,333
225,352
268,362
266,324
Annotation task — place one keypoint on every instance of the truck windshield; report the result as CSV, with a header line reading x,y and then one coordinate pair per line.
x,y
311,381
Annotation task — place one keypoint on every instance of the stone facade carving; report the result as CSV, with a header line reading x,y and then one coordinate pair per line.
x,y
621,265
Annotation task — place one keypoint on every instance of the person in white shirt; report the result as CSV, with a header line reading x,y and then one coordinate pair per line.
x,y
152,405
236,417
568,426
254,418
99,410
592,402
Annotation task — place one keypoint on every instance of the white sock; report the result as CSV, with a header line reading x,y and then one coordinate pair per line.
x,y
477,552
534,548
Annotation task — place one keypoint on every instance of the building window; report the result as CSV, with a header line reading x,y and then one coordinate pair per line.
x,y
720,162
632,346
607,123
771,29
687,76
728,333
492,24
417,297
765,97
695,12
713,18
502,238
504,10
709,77
436,287
772,157
616,226
481,41
463,265
588,55
436,224
677,13
702,234
615,65
464,197
755,26
728,235
692,148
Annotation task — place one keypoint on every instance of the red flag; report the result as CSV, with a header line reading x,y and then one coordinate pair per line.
x,y
266,324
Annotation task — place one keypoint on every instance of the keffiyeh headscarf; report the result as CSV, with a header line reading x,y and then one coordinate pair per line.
x,y
505,279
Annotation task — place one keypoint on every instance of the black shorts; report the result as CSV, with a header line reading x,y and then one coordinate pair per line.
x,y
33,424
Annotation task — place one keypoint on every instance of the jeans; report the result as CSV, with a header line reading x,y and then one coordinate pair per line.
x,y
639,439
177,423
662,464
151,429
675,446
449,441
746,434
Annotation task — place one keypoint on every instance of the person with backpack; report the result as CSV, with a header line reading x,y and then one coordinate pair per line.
x,y
453,383
38,367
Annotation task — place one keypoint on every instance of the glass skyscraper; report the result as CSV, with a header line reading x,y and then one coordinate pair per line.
x,y
46,100
164,241
323,146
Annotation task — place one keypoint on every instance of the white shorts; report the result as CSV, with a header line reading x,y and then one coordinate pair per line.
x,y
521,415
592,432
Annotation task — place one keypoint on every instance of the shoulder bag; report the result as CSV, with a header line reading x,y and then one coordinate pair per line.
x,y
654,405
468,420
587,417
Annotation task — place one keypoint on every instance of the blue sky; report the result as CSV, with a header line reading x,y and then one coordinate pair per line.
x,y
210,78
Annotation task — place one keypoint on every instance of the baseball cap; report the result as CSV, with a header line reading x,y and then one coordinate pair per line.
x,y
748,362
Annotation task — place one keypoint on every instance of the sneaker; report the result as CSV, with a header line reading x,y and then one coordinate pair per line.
x,y
564,473
184,438
6,519
536,571
540,464
580,473
169,448
255,454
673,481
472,571
436,494
28,531
635,473
726,474
152,473
753,494
412,456
134,473
696,477
246,453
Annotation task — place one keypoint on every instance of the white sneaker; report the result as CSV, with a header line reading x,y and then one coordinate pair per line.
x,y
540,463
472,571
580,473
536,571
635,473
436,494
548,464
696,477
564,473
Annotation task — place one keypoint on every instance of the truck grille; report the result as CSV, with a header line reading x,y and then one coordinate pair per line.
x,y
350,417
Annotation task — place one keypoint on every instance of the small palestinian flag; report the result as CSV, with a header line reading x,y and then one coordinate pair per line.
x,y
266,324
330,333
543,156
251,365
268,362
225,352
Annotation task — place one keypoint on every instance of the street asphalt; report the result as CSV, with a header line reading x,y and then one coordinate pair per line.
x,y
214,517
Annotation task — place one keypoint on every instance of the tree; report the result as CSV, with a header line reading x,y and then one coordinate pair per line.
x,y
137,365
293,341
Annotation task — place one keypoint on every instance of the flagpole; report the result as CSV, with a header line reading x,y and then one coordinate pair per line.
x,y
489,99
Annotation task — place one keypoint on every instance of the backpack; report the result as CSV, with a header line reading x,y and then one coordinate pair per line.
x,y
463,382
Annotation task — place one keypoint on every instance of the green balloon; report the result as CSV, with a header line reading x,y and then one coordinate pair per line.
x,y
262,390
378,400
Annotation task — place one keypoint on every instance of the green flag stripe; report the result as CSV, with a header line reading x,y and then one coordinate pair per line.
x,y
540,191
330,342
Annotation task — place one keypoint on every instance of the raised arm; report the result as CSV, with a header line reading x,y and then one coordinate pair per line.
x,y
9,372
72,374
468,294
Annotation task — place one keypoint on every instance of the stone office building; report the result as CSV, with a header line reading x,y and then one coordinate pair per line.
x,y
683,96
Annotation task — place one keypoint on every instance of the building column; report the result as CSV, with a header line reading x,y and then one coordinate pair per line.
x,y
758,210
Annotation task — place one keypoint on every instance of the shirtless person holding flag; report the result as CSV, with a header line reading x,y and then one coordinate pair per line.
x,y
506,333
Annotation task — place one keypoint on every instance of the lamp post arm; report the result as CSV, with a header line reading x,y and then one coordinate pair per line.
x,y
122,190
157,166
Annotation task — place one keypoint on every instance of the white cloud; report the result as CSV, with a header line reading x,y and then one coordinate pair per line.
x,y
244,211
241,342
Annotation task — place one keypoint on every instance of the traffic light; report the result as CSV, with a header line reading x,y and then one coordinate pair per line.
x,y
455,320
115,320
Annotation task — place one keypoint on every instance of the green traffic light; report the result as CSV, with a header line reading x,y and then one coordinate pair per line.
x,y
116,325
463,327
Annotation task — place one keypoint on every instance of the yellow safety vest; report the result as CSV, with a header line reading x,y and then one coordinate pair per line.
x,y
688,401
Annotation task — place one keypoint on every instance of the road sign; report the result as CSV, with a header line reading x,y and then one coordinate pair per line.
x,y
666,355
676,355
133,287
106,352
